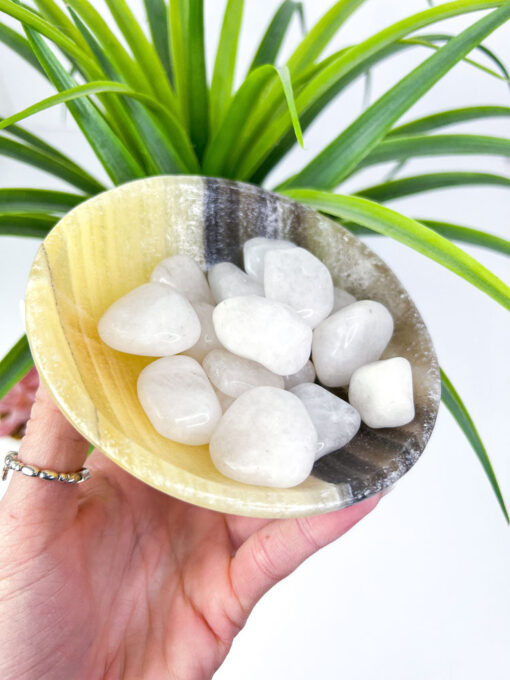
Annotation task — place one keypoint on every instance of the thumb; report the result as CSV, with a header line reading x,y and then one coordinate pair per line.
x,y
50,443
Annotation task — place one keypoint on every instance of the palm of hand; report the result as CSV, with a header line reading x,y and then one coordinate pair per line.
x,y
126,582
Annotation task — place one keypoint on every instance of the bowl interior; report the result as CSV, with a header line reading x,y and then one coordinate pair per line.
x,y
108,245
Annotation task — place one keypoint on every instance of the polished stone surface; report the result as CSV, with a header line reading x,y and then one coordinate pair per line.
x,y
151,320
227,280
382,392
265,438
335,420
183,273
349,338
265,331
179,400
110,244
208,339
297,278
233,375
306,374
254,253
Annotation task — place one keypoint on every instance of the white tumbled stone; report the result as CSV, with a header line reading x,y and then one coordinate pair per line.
x,y
266,438
341,299
227,280
183,273
151,320
348,339
335,420
265,331
233,375
179,400
207,340
297,278
305,375
254,253
382,392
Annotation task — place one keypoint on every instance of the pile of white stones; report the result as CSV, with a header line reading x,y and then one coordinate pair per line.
x,y
236,373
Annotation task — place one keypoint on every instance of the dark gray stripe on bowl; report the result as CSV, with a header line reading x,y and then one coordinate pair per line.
x,y
221,229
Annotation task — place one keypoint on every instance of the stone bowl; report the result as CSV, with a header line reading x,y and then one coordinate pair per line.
x,y
109,244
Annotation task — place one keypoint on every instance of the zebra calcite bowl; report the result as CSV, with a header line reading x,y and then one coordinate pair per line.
x,y
109,244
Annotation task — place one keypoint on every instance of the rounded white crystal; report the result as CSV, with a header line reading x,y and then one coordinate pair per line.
x,y
254,253
335,420
233,375
342,299
227,280
305,375
225,401
151,320
382,392
265,331
179,400
348,339
266,438
299,279
207,340
183,273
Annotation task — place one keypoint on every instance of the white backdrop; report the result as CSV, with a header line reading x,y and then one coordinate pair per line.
x,y
420,589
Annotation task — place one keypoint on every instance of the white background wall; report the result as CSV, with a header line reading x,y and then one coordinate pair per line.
x,y
420,589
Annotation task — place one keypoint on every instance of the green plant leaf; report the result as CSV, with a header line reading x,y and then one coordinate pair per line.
x,y
415,146
39,200
17,43
32,20
115,158
443,37
15,364
221,154
454,404
445,118
269,47
454,232
475,237
323,82
313,44
344,153
144,52
224,65
284,75
178,21
52,12
27,225
406,186
49,163
198,94
157,15
409,232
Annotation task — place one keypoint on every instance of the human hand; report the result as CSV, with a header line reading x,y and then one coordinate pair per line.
x,y
112,579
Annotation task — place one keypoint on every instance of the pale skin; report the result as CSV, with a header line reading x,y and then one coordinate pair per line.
x,y
112,579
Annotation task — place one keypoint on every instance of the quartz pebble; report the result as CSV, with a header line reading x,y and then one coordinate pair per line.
x,y
341,299
265,331
335,420
227,280
305,375
233,375
179,400
348,339
265,438
207,340
382,392
183,273
254,253
299,279
151,320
